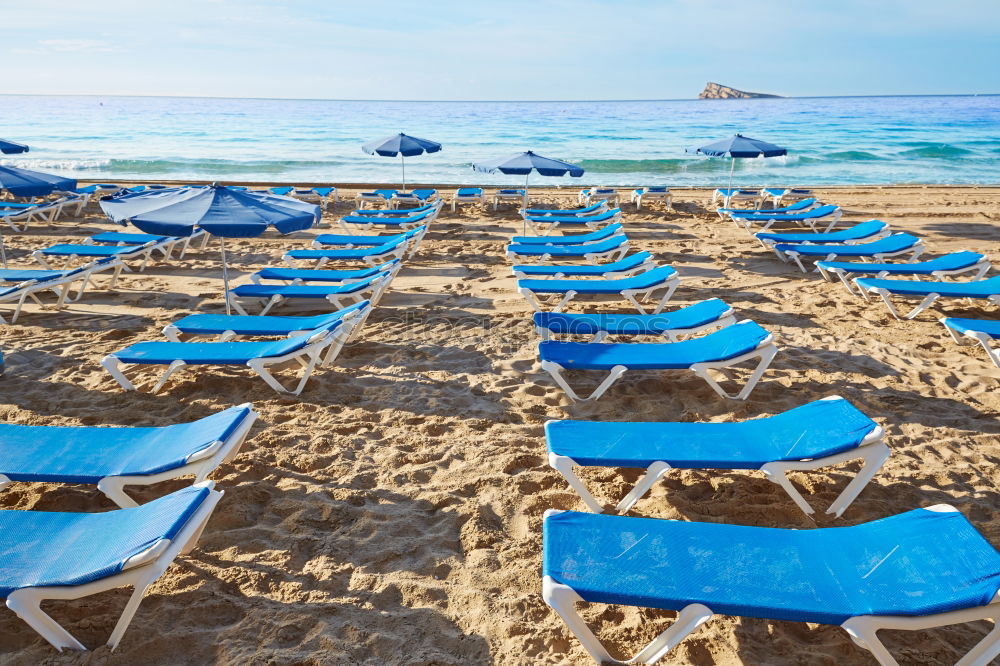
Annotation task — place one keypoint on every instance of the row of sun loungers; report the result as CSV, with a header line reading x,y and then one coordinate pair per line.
x,y
872,243
551,288
899,573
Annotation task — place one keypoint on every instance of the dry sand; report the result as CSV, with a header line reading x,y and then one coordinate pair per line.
x,y
391,515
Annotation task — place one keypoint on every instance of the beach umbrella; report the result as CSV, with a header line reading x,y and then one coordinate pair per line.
x,y
12,147
221,211
739,146
24,183
403,145
522,164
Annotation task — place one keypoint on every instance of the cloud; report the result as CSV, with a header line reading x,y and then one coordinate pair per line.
x,y
76,46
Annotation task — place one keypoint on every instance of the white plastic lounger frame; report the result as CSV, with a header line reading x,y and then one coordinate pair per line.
x,y
634,296
764,353
457,198
640,194
60,286
610,275
139,572
308,357
872,451
980,268
927,301
510,197
971,337
862,629
395,252
587,195
144,251
914,251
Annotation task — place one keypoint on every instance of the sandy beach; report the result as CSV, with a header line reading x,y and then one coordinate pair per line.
x,y
392,513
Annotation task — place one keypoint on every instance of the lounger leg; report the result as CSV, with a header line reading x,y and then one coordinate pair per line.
x,y
863,630
652,475
561,599
259,366
556,370
565,466
873,456
166,375
924,304
985,341
111,364
765,353
27,604
113,488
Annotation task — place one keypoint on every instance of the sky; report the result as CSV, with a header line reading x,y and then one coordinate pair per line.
x,y
509,50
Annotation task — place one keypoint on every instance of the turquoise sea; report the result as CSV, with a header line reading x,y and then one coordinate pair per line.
x,y
842,141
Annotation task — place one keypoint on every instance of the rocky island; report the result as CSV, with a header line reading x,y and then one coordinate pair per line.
x,y
719,91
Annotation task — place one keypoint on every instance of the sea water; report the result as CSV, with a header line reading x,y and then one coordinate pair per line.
x,y
833,141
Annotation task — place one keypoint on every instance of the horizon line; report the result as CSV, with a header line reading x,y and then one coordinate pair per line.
x,y
493,101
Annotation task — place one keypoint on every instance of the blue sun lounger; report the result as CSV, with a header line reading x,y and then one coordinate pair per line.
x,y
115,457
929,291
17,285
948,264
405,223
870,230
574,239
338,295
546,224
983,331
415,197
348,241
730,194
393,212
304,275
913,571
318,195
510,195
797,207
819,434
682,322
630,265
229,327
590,194
69,253
307,349
890,246
369,255
48,555
780,194
637,290
730,346
807,218
655,193
610,249
468,195
380,196
592,209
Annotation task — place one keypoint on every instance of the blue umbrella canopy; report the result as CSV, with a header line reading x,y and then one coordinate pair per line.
x,y
24,183
740,146
400,144
219,210
522,164
403,145
12,147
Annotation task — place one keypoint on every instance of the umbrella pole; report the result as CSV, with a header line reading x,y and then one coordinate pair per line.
x,y
225,275
402,164
3,252
524,220
730,188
